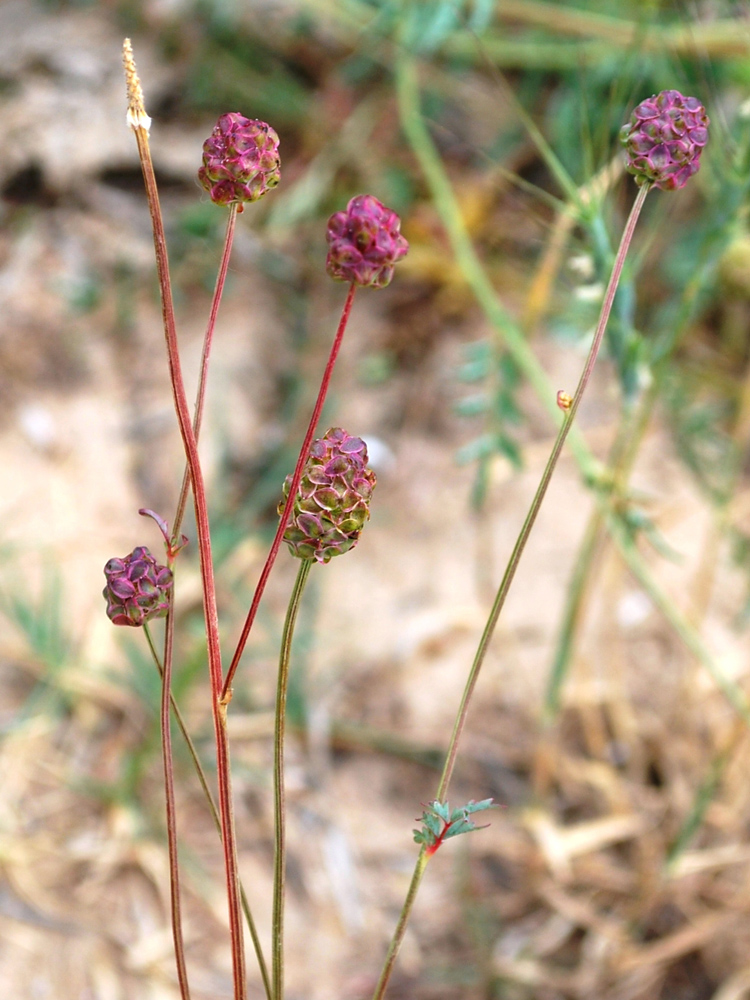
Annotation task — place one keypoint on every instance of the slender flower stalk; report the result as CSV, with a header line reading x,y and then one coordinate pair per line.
x,y
205,358
398,934
138,589
364,245
206,788
166,670
177,524
140,123
171,812
294,486
477,279
536,503
326,512
570,407
279,854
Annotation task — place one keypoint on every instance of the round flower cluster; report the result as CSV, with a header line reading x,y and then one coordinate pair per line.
x,y
665,138
364,242
137,588
240,160
333,501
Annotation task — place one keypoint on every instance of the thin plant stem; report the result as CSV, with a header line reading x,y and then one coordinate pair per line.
x,y
294,486
536,503
679,622
721,760
203,781
171,811
398,934
540,290
510,571
205,357
448,208
575,598
632,434
701,801
140,123
177,524
279,803
622,456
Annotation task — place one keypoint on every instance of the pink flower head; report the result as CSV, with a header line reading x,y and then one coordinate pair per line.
x,y
665,138
333,501
137,588
364,242
240,160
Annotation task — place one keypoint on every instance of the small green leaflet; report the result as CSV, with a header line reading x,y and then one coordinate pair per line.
x,y
440,822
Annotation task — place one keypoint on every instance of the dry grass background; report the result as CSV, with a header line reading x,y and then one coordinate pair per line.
x,y
572,891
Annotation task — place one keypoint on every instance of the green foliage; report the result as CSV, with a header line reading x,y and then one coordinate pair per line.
x,y
494,403
38,616
440,822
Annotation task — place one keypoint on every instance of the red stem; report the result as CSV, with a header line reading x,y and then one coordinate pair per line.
x,y
294,486
206,567
205,357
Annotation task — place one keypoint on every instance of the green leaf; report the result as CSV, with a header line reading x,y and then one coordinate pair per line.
x,y
508,447
442,809
481,447
473,405
481,16
473,806
474,370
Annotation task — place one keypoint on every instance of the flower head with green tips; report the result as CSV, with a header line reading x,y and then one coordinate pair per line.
x,y
665,138
364,243
240,160
333,500
137,588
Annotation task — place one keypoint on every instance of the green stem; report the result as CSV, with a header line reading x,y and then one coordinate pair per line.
x,y
203,781
279,855
680,624
446,203
466,257
622,457
512,566
536,503
573,613
703,799
171,812
398,934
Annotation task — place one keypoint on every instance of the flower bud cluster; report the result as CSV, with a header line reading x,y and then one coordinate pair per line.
x,y
333,500
137,589
665,138
364,242
240,160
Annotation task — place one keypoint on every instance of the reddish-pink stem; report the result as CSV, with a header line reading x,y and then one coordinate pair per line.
x,y
294,486
200,397
206,567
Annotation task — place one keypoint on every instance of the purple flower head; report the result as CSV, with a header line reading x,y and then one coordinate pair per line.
x,y
333,501
364,242
665,138
240,160
137,588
